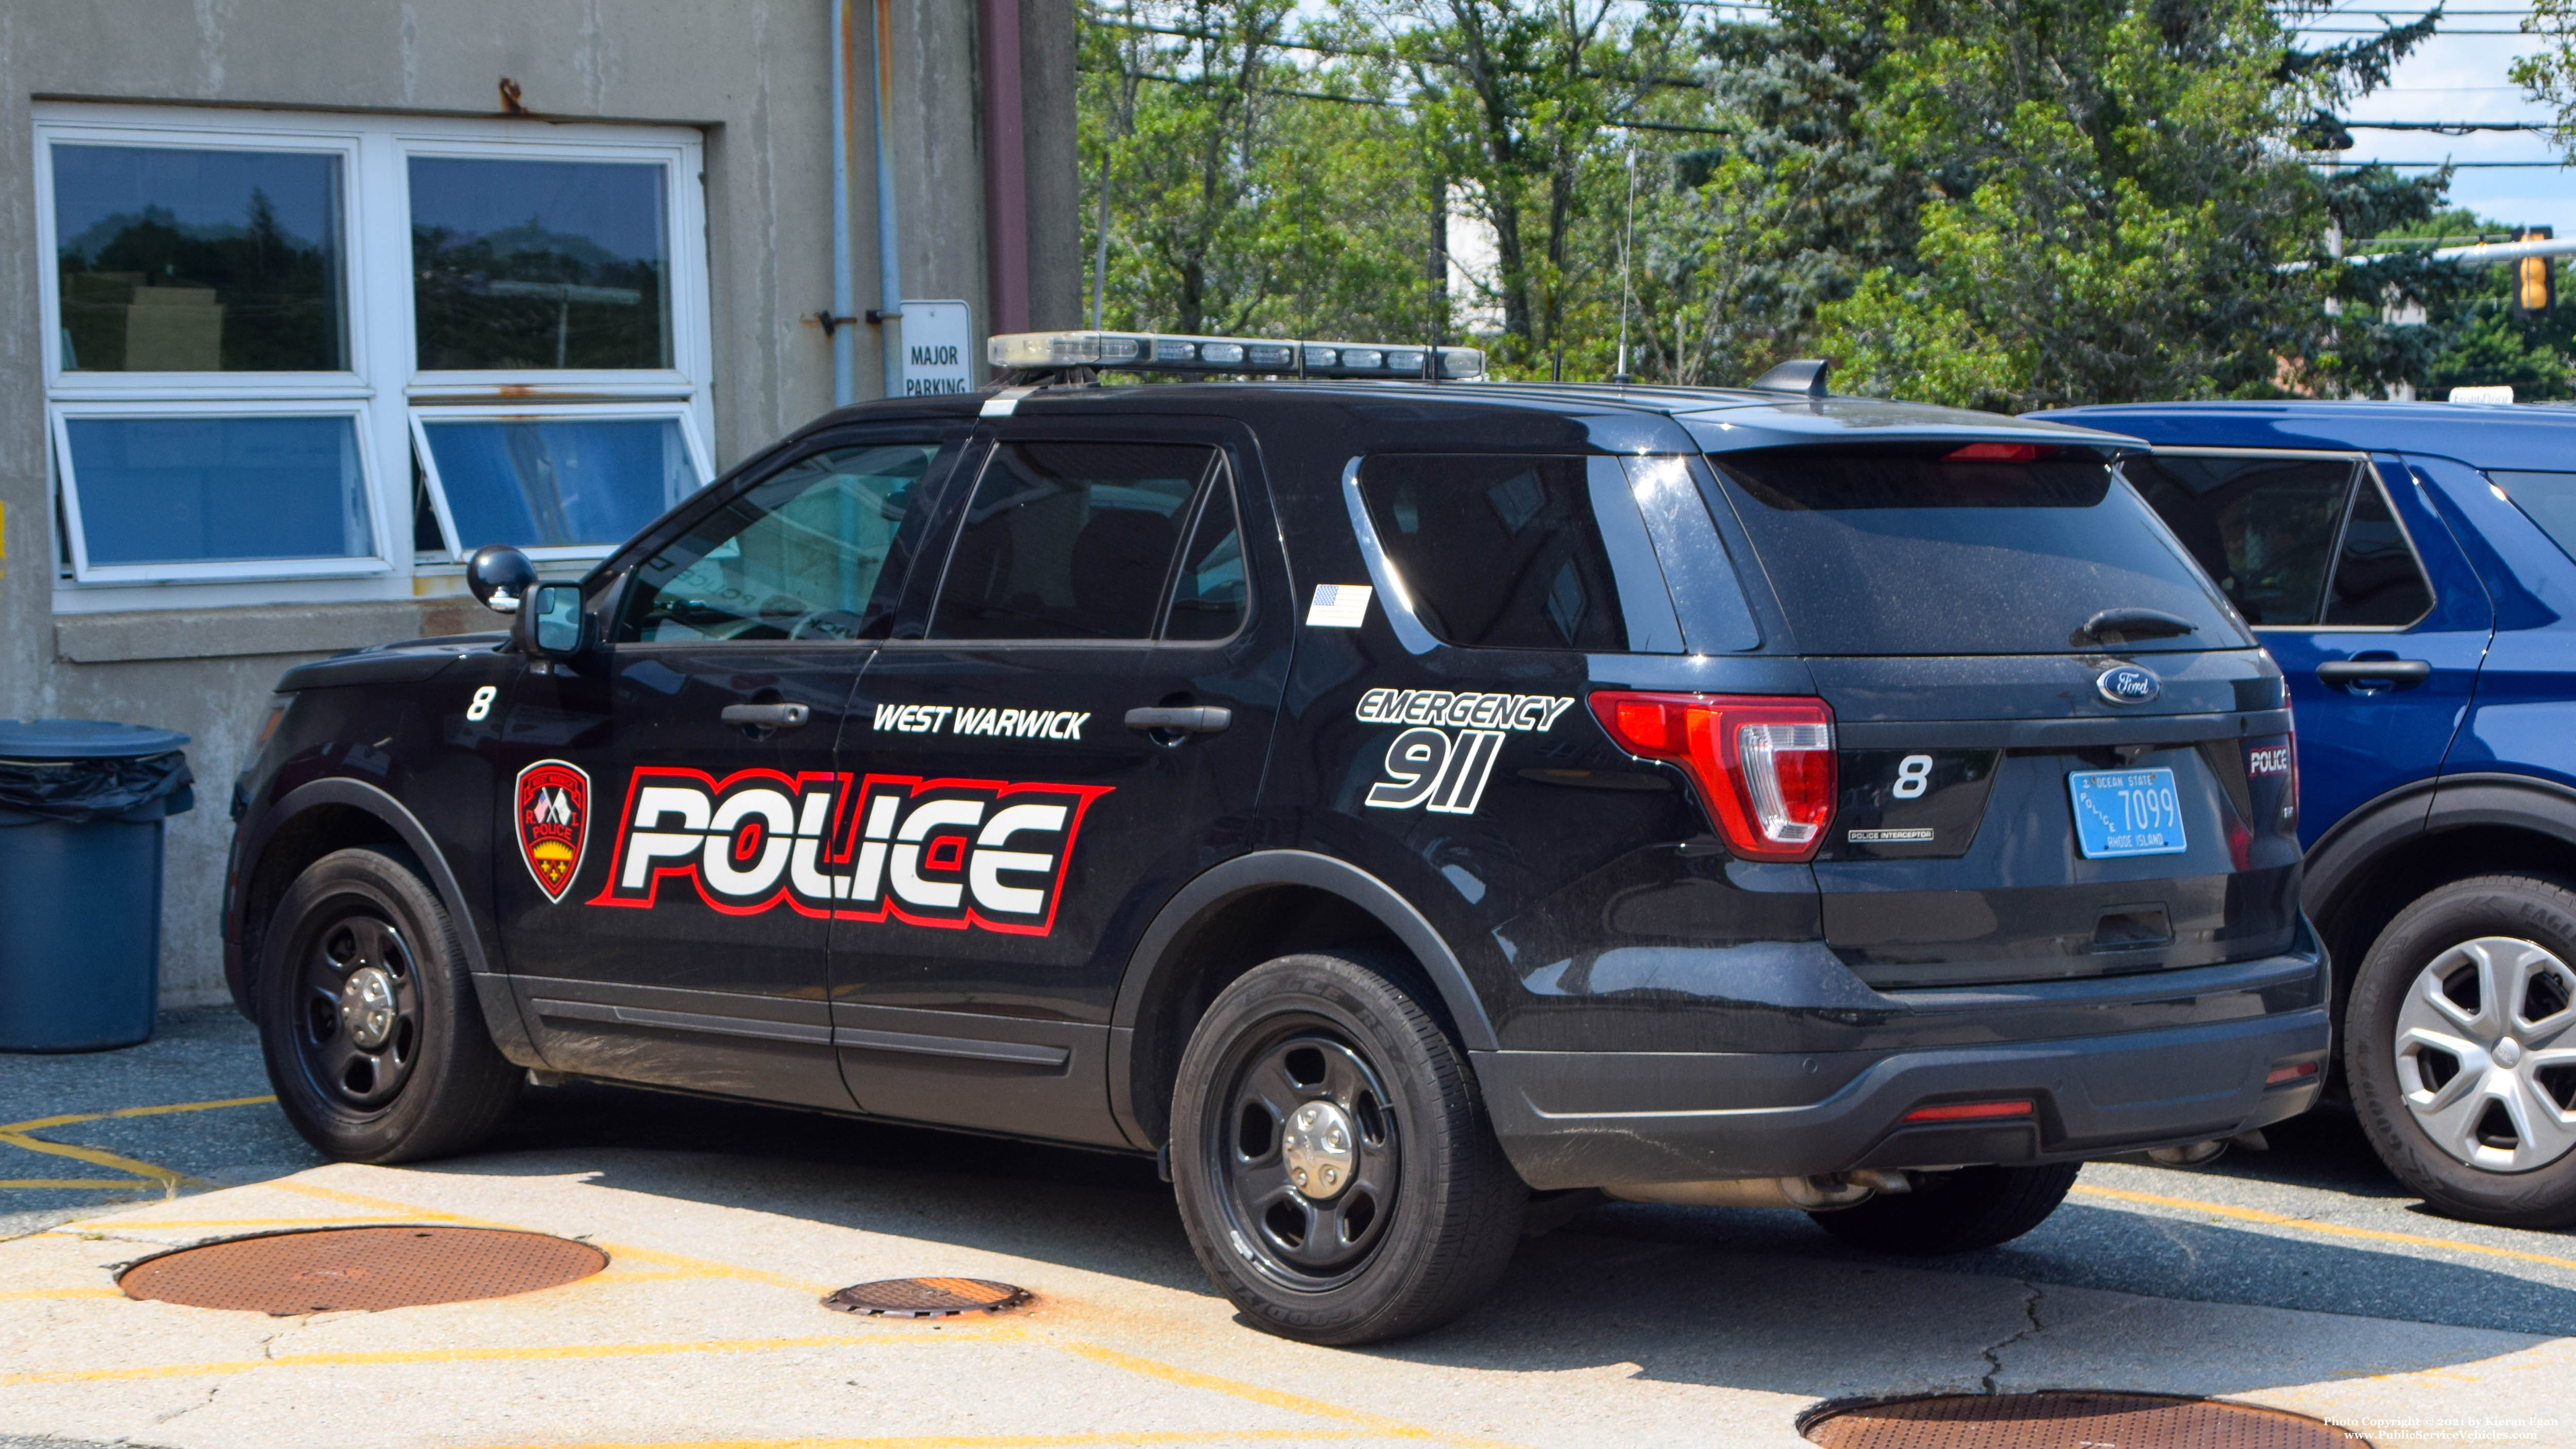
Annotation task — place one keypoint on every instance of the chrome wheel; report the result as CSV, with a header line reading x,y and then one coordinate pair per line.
x,y
1307,1155
2486,1060
359,1031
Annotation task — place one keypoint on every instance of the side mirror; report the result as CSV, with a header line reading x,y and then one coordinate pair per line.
x,y
551,624
500,577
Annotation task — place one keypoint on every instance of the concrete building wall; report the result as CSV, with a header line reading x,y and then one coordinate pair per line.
x,y
751,77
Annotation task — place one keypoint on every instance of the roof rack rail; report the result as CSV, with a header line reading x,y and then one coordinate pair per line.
x,y
1023,353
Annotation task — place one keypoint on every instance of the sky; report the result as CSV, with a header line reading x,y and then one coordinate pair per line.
x,y
2459,75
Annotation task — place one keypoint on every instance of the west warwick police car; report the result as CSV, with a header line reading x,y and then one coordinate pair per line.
x,y
1407,804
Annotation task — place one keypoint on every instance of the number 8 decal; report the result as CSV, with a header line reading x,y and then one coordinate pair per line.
x,y
1913,776
482,704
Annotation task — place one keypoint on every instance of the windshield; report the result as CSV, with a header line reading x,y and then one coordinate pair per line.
x,y
1987,548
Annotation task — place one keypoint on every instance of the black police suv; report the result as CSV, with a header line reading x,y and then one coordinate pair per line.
x,y
1405,805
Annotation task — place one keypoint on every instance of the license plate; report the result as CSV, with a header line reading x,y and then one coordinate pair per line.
x,y
2126,812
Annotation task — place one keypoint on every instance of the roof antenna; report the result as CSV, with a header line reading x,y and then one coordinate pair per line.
x,y
1806,375
1627,243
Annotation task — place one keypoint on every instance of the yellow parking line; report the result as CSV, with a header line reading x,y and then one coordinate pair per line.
x,y
502,1355
83,1184
161,1177
2334,1230
38,1124
15,1135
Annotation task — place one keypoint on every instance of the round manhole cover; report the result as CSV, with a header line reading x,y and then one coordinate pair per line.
x,y
330,1270
927,1297
2072,1419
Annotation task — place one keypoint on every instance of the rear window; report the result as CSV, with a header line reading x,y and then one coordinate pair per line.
x,y
1994,548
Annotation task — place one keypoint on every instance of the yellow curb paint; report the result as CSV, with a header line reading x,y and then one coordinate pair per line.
x,y
1376,1424
626,1251
14,1293
986,1441
380,1206
531,1353
122,1226
2310,1225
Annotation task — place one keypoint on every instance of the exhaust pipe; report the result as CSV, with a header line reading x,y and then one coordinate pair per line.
x,y
1822,1193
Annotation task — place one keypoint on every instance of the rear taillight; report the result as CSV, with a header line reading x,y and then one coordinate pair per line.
x,y
1764,767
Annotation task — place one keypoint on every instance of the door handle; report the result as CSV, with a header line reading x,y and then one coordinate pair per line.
x,y
775,716
1192,719
2397,673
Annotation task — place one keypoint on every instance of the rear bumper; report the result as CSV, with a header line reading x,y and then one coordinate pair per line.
x,y
1583,1119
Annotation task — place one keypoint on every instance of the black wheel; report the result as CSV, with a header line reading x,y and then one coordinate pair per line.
x,y
2460,1045
373,1038
1954,1212
1336,1172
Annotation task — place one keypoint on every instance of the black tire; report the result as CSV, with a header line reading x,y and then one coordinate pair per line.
x,y
434,1084
2435,934
1955,1212
1429,1213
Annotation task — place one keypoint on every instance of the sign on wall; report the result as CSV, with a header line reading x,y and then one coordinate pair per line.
x,y
938,355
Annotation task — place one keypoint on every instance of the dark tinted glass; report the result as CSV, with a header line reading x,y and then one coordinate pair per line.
x,y
2263,528
1068,541
800,555
2376,578
539,264
1906,550
189,260
1498,551
1210,592
2547,499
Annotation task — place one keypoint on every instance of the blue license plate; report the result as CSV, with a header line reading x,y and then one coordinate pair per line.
x,y
2126,812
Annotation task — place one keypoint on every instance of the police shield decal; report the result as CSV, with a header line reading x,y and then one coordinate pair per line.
x,y
553,814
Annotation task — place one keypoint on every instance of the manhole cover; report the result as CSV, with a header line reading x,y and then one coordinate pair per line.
x,y
927,1297
330,1270
2071,1420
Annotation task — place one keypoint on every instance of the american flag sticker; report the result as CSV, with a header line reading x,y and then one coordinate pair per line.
x,y
1338,606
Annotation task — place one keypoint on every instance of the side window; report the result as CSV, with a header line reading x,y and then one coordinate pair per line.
x,y
2376,578
1069,541
2263,528
798,555
1505,551
2547,499
1211,595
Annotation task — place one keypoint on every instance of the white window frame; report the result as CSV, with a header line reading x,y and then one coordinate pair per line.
x,y
63,414
383,385
612,412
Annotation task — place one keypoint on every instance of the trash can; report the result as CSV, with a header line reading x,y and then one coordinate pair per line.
x,y
81,806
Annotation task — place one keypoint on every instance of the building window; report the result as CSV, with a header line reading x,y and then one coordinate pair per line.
x,y
226,493
274,339
556,481
539,264
198,260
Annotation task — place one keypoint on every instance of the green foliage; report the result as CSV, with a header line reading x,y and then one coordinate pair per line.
x,y
1998,203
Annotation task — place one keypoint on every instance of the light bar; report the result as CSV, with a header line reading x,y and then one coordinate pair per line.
x,y
1152,352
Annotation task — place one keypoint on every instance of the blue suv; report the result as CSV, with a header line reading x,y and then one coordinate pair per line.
x,y
2412,568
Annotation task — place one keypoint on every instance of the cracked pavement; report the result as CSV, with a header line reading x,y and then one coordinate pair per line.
x,y
2301,1278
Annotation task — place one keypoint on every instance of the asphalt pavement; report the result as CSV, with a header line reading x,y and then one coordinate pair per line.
x,y
2301,1277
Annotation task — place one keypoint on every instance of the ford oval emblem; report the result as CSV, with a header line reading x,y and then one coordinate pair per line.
x,y
2128,684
